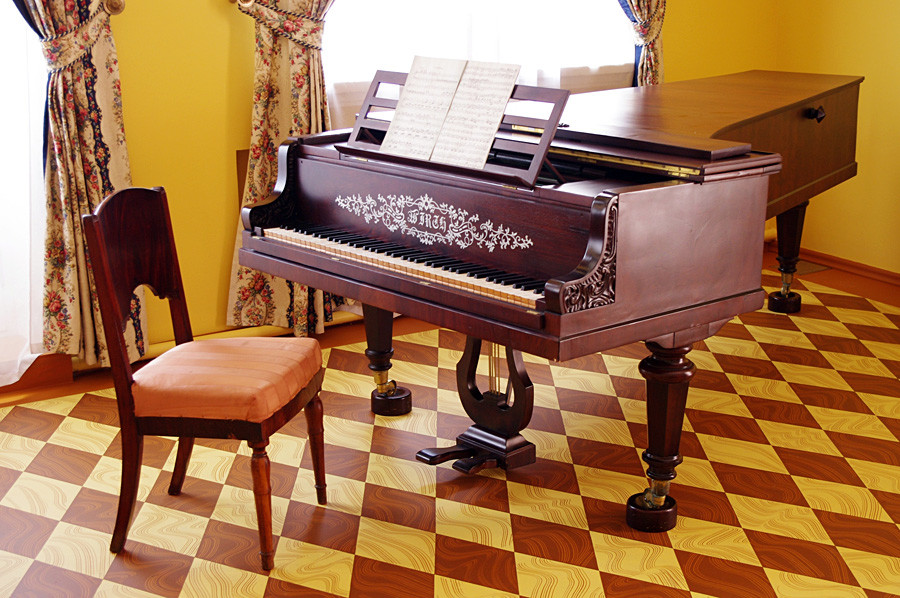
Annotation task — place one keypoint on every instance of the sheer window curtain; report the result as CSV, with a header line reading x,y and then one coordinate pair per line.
x,y
578,45
22,224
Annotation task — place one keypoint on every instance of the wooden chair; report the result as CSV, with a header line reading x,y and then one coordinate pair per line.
x,y
244,388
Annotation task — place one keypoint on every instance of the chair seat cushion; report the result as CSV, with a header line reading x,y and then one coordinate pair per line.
x,y
229,378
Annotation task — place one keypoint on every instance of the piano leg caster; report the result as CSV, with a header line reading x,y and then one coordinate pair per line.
x,y
399,402
647,518
784,304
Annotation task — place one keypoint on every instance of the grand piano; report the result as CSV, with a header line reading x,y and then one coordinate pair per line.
x,y
570,241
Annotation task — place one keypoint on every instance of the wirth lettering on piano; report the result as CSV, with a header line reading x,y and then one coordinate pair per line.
x,y
615,255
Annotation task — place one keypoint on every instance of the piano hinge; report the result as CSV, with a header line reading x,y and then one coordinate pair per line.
x,y
594,158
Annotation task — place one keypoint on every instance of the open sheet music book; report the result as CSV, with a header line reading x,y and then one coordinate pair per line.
x,y
450,110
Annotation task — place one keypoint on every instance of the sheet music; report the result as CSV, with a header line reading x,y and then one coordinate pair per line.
x,y
475,114
422,107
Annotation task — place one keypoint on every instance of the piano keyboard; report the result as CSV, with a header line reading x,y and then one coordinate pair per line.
x,y
451,272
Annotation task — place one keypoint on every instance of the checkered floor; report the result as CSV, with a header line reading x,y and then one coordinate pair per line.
x,y
790,484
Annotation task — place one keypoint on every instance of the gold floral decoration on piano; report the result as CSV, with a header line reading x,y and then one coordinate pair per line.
x,y
432,222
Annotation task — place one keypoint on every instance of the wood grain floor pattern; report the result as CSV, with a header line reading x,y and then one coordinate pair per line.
x,y
790,484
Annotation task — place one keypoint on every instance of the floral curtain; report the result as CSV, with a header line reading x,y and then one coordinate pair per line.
x,y
288,101
647,17
86,159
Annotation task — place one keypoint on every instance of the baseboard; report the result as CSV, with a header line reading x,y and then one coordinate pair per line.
x,y
49,369
860,269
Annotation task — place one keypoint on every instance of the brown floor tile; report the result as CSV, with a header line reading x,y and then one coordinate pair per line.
x,y
45,581
595,362
197,496
795,355
30,423
414,353
282,477
340,461
478,490
553,541
602,455
737,331
544,473
867,449
745,366
231,545
831,398
95,510
780,411
726,426
701,503
150,569
839,344
399,443
374,579
767,319
875,333
156,450
876,385
348,361
102,410
324,527
277,588
579,401
23,533
547,420
450,425
476,563
8,477
615,586
890,502
815,465
844,301
718,577
858,533
347,407
710,380
629,388
63,463
757,483
400,507
819,561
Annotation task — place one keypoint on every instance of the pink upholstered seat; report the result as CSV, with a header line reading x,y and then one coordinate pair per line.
x,y
229,378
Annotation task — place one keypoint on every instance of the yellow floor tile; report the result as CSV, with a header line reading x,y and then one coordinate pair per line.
x,y
396,544
547,505
474,524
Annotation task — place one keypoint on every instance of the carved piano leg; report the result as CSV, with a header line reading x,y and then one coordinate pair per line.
x,y
494,440
790,228
387,398
668,373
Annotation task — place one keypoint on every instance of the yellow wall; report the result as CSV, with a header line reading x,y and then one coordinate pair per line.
x,y
187,74
187,68
859,219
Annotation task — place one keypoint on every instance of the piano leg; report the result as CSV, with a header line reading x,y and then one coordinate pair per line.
x,y
387,398
668,373
494,440
790,228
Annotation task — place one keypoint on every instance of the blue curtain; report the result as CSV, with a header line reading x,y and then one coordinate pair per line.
x,y
637,48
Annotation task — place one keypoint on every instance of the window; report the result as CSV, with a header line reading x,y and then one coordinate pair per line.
x,y
575,44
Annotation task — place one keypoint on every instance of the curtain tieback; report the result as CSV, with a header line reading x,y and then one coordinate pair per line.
x,y
647,30
69,46
302,29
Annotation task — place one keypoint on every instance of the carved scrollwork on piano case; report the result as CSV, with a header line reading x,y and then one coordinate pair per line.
x,y
593,282
433,222
279,208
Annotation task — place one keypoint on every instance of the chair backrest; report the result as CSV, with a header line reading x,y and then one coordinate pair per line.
x,y
130,243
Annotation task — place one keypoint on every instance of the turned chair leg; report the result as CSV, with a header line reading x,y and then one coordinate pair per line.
x,y
262,493
132,453
185,446
316,432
